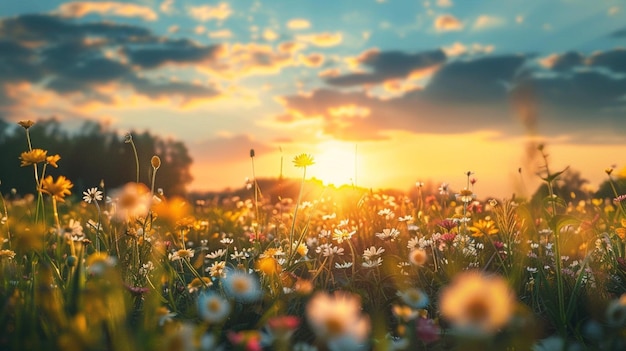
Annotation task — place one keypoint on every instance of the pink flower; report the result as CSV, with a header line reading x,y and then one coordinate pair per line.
x,y
427,330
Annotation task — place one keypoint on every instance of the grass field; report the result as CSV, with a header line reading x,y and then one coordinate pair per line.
x,y
353,269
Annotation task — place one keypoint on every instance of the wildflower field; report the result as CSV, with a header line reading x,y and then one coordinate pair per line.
x,y
351,269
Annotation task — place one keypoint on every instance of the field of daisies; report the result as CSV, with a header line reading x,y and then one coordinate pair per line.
x,y
133,269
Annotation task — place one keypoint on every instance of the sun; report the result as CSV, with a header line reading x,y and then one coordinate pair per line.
x,y
336,163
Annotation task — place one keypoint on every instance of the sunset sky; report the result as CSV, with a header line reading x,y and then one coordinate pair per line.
x,y
383,93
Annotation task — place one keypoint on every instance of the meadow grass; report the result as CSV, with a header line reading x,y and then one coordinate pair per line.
x,y
350,269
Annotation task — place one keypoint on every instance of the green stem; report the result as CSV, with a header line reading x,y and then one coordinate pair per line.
x,y
295,213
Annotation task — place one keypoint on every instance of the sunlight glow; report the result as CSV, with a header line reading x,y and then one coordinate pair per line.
x,y
336,163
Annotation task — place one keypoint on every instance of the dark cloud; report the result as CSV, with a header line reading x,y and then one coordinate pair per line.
x,y
475,81
388,65
620,33
49,28
567,61
614,60
172,51
69,57
484,94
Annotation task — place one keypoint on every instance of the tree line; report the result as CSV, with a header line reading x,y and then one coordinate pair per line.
x,y
90,156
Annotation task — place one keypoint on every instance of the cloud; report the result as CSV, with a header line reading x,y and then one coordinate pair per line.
x,y
615,60
298,23
487,22
167,6
82,9
444,3
269,34
322,39
180,51
458,48
388,65
479,80
563,62
82,64
312,60
206,13
221,34
447,23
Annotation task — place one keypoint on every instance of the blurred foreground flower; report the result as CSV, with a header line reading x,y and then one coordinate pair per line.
x,y
132,200
212,307
337,318
242,286
476,303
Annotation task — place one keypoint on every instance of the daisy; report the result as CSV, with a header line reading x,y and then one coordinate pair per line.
x,y
181,254
373,263
92,194
339,235
212,307
337,316
217,269
387,233
242,286
216,254
414,297
369,254
418,257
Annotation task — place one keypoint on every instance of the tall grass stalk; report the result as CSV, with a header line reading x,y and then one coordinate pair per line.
x,y
129,140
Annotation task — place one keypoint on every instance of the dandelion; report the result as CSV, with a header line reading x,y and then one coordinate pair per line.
x,y
57,189
477,303
92,194
303,160
413,297
301,249
32,157
337,316
418,257
212,307
242,286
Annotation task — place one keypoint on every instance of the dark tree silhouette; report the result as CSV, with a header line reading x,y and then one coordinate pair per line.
x,y
92,155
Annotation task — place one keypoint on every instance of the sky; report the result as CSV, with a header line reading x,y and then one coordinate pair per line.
x,y
382,93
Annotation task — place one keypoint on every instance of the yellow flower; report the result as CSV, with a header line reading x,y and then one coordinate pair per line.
x,y
303,160
57,189
484,227
52,160
33,156
26,124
